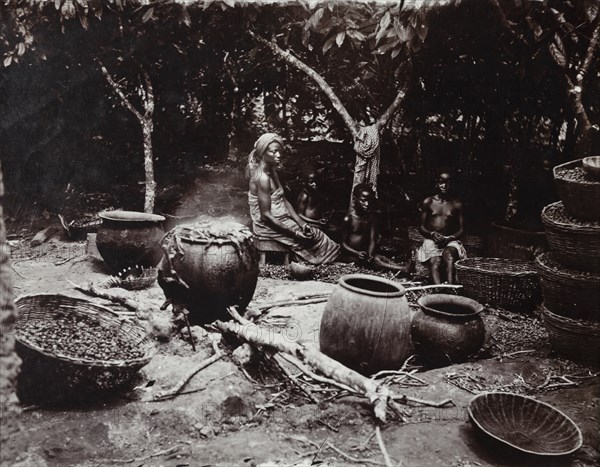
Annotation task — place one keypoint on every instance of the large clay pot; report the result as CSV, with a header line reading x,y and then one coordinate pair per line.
x,y
366,324
218,262
127,238
447,328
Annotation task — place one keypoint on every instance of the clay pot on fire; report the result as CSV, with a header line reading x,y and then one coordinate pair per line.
x,y
208,267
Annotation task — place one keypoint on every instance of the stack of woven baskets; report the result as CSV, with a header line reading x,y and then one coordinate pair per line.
x,y
570,272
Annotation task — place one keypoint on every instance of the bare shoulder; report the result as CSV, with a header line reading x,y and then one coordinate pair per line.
x,y
303,195
263,182
427,202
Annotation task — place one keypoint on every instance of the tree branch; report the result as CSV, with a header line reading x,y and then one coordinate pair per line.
x,y
589,54
288,57
119,92
385,117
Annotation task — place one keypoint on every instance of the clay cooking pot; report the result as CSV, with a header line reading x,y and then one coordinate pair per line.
x,y
366,324
447,328
129,238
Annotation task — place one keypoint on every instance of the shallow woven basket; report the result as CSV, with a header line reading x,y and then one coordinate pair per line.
x,y
581,198
140,278
574,243
499,282
74,372
574,338
567,292
524,424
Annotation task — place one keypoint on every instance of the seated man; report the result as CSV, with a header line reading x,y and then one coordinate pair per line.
x,y
361,233
311,201
441,225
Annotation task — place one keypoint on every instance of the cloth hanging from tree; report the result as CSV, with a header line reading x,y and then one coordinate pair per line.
x,y
367,147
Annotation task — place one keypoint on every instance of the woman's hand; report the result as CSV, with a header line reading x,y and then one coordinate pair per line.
x,y
307,230
304,239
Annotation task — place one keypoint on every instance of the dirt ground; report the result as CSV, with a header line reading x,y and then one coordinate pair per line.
x,y
228,417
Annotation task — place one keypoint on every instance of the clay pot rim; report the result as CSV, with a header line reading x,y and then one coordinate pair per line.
x,y
130,216
591,166
400,290
427,308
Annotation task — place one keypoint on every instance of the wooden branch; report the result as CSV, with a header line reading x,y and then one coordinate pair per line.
x,y
45,234
278,357
95,292
141,460
119,92
593,44
378,394
352,458
405,398
175,390
308,301
292,60
386,456
391,110
298,364
433,286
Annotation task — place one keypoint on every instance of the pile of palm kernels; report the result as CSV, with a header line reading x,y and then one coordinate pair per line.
x,y
78,336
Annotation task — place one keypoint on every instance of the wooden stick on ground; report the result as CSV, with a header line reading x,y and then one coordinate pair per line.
x,y
434,286
145,458
308,301
95,292
175,390
386,456
352,458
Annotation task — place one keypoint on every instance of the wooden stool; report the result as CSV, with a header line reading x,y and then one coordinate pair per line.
x,y
267,245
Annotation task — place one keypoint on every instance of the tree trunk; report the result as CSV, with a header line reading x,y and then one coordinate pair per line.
x,y
147,125
9,361
150,196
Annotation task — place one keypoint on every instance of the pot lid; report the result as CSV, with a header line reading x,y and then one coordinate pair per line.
x,y
132,216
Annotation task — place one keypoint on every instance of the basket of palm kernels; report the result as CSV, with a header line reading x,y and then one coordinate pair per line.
x,y
76,344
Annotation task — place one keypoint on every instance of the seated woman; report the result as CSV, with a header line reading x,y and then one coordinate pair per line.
x,y
272,215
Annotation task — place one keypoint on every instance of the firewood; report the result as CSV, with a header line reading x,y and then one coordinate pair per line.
x,y
45,234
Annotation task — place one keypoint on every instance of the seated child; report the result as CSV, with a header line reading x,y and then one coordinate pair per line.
x,y
361,234
311,201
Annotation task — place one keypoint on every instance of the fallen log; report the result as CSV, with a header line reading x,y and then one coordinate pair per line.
x,y
306,354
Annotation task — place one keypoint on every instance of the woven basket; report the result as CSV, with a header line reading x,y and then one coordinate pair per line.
x,y
567,292
581,197
576,339
574,243
510,243
53,368
500,282
136,278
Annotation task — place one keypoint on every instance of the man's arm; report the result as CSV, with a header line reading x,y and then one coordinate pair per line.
x,y
373,235
302,202
460,216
